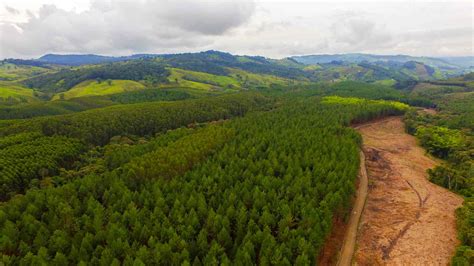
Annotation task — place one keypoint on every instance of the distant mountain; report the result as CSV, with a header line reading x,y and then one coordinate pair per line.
x,y
213,62
87,59
78,59
445,63
463,61
401,70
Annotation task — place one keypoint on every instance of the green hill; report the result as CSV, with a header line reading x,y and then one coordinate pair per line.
x,y
96,88
11,93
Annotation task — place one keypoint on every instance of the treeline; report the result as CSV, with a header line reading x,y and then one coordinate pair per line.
x,y
262,189
23,62
150,95
98,126
67,78
30,110
452,145
355,89
79,104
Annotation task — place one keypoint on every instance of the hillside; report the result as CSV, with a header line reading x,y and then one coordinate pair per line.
x,y
96,88
349,66
445,63
11,93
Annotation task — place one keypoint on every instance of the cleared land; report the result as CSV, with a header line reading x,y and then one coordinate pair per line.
x,y
201,80
407,220
93,88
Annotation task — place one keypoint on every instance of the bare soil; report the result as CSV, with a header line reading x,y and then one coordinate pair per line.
x,y
332,246
429,111
407,220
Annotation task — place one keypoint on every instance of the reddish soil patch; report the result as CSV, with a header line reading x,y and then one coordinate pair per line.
x,y
407,220
332,245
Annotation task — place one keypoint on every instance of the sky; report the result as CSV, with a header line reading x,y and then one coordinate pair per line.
x,y
276,29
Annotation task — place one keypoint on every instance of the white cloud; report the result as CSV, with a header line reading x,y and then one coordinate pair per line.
x,y
259,27
116,26
359,32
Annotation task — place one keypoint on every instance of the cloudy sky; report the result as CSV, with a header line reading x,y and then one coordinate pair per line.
x,y
30,28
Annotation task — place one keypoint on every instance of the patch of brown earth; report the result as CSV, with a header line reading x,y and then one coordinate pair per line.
x,y
429,111
407,220
330,250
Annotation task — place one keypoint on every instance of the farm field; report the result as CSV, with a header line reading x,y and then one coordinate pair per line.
x,y
94,88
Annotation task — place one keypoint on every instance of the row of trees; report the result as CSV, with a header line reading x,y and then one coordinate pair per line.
x,y
150,95
26,158
262,189
99,125
30,110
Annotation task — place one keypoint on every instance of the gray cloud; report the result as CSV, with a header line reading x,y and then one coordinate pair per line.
x,y
359,32
115,27
12,10
261,27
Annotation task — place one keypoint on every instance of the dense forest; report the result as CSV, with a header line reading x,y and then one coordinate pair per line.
x,y
255,196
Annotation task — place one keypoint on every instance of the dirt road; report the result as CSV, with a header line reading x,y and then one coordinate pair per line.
x,y
347,250
406,220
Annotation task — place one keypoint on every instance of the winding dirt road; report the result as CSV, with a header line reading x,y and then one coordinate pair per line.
x,y
406,220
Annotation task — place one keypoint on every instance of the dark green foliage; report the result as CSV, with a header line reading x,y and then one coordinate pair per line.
x,y
85,103
98,126
439,141
380,72
352,89
171,161
68,78
452,145
364,90
22,62
215,62
465,224
459,109
151,95
121,152
204,196
29,156
52,107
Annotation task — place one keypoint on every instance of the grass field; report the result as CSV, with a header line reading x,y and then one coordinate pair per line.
x,y
386,82
11,92
93,88
13,72
201,80
248,79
